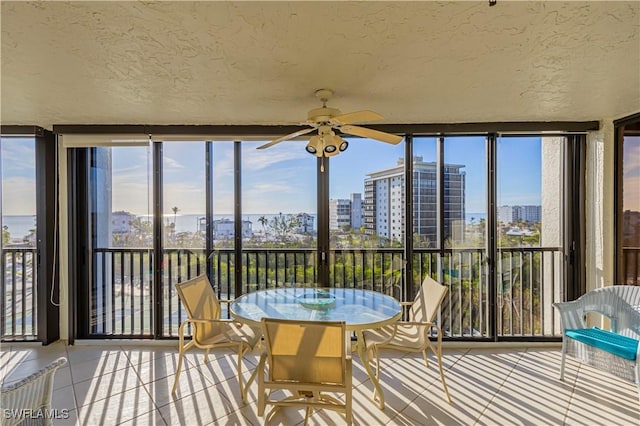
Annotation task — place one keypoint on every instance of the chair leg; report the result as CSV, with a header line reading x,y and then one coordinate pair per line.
x,y
175,380
376,352
424,352
348,413
376,355
306,416
564,355
206,356
240,381
638,377
439,353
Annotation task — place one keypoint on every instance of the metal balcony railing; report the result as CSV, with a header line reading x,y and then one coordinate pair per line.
x,y
122,300
18,294
631,266
527,284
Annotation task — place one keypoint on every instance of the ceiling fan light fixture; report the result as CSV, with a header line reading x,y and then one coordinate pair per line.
x,y
326,120
332,145
314,145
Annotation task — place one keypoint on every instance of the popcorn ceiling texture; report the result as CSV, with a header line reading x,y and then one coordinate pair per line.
x,y
260,62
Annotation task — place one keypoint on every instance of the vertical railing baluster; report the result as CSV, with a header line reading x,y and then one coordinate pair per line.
x,y
140,292
167,289
470,309
23,296
13,295
122,279
132,292
103,281
532,268
3,307
512,294
483,294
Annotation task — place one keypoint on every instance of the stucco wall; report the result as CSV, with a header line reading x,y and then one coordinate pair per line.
x,y
599,209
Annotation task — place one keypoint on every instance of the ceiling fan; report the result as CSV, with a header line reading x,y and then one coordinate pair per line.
x,y
326,119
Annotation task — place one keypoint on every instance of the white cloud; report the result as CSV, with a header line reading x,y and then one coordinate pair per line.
x,y
18,156
170,164
133,197
631,196
255,160
631,166
18,196
189,198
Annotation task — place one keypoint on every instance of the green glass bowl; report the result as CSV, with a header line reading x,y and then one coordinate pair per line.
x,y
317,301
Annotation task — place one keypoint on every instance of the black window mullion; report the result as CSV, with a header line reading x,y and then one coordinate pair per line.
x,y
237,217
491,229
407,284
158,248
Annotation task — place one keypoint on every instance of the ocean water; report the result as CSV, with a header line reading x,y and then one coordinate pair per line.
x,y
189,222
19,226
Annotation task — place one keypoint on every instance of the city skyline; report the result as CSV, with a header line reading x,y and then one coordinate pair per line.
x,y
282,178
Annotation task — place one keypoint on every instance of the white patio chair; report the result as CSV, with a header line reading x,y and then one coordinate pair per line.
x,y
28,401
621,305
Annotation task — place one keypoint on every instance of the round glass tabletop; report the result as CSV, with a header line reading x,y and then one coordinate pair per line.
x,y
359,309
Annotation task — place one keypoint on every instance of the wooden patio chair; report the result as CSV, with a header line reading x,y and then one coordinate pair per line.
x,y
413,335
208,330
309,359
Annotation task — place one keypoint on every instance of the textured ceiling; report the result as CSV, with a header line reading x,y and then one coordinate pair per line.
x,y
260,62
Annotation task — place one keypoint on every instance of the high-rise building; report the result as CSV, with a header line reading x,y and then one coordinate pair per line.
x,y
356,210
346,213
384,197
511,214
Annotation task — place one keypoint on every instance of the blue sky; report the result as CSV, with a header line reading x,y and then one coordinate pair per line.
x,y
631,173
18,176
283,177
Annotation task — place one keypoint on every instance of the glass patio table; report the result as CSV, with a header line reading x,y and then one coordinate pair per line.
x,y
359,309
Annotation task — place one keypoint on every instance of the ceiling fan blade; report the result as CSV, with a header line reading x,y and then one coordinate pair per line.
x,y
356,117
287,137
371,134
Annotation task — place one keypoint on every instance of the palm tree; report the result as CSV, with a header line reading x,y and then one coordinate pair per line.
x,y
263,221
175,213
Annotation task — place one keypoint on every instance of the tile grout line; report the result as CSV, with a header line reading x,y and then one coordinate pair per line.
x,y
493,397
142,385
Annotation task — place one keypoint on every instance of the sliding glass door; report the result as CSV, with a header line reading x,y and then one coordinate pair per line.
x,y
466,310
483,214
366,217
529,234
18,295
628,201
121,293
279,213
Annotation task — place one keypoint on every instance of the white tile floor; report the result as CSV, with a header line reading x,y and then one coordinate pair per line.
x,y
115,385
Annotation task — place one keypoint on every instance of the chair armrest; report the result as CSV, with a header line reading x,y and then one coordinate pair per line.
x,y
418,323
211,321
425,325
406,303
205,321
571,314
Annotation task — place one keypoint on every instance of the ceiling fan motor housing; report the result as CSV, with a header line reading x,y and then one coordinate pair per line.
x,y
322,115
